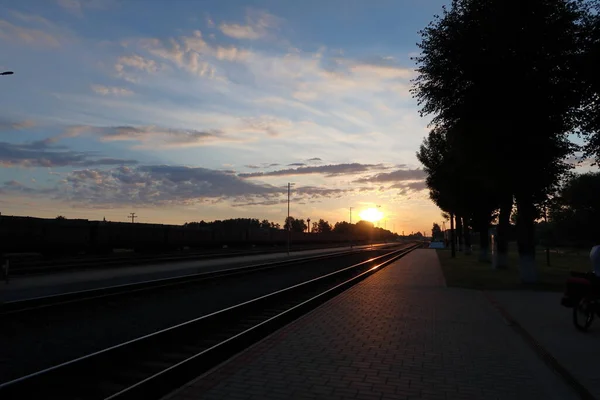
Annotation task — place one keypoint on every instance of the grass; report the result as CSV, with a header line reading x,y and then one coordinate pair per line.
x,y
467,272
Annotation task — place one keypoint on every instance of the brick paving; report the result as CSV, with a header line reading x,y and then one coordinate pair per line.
x,y
399,334
551,324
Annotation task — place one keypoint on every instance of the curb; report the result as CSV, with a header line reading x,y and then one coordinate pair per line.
x,y
548,359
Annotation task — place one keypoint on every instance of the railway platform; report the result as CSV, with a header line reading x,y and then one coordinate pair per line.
x,y
399,334
31,286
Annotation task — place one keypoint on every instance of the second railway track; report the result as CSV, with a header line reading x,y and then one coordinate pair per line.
x,y
154,364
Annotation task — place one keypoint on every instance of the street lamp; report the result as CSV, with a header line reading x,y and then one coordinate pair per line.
x,y
6,73
289,190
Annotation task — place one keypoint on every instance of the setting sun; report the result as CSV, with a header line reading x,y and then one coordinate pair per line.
x,y
371,215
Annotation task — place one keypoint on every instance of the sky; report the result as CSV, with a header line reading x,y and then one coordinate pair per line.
x,y
186,110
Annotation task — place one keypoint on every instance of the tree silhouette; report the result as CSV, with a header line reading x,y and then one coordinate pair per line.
x,y
471,62
323,226
436,232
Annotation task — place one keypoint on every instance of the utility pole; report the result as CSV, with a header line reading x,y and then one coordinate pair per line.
x,y
133,217
289,187
351,244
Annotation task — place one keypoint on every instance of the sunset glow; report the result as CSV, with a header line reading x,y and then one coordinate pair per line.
x,y
371,215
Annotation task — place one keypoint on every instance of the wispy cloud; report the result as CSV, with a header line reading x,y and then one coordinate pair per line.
x,y
327,170
258,24
76,7
9,125
399,175
152,136
44,154
111,90
30,36
137,62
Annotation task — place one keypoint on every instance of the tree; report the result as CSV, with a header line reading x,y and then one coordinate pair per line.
x,y
575,212
265,224
323,226
295,225
343,228
472,61
589,116
60,217
436,232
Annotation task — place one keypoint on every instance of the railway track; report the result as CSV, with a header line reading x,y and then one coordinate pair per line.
x,y
38,303
32,266
152,365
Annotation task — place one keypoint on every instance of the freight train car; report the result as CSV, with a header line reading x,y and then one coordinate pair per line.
x,y
62,236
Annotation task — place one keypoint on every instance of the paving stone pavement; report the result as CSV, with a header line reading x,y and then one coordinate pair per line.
x,y
551,324
399,334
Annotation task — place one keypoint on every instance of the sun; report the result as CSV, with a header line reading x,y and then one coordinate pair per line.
x,y
371,215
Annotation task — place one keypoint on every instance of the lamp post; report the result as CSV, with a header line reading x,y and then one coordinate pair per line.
x,y
289,188
351,234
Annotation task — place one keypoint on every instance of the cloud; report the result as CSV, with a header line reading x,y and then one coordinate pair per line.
x,y
258,24
30,36
315,159
43,154
111,90
151,135
8,125
76,7
185,53
137,62
394,176
72,6
297,164
413,185
159,185
327,170
270,125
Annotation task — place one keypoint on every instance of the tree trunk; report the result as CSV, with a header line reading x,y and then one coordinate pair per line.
x,y
526,239
482,224
459,232
501,254
452,237
467,235
484,242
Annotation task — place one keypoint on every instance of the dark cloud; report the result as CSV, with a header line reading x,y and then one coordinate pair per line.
x,y
314,160
43,154
297,164
327,170
164,185
399,175
160,185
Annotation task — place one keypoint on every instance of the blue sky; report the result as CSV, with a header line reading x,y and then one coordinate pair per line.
x,y
185,110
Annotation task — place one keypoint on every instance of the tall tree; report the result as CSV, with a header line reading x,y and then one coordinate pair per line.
x,y
472,61
436,232
323,226
589,116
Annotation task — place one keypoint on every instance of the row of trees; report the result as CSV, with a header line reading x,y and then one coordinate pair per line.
x,y
293,224
506,83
